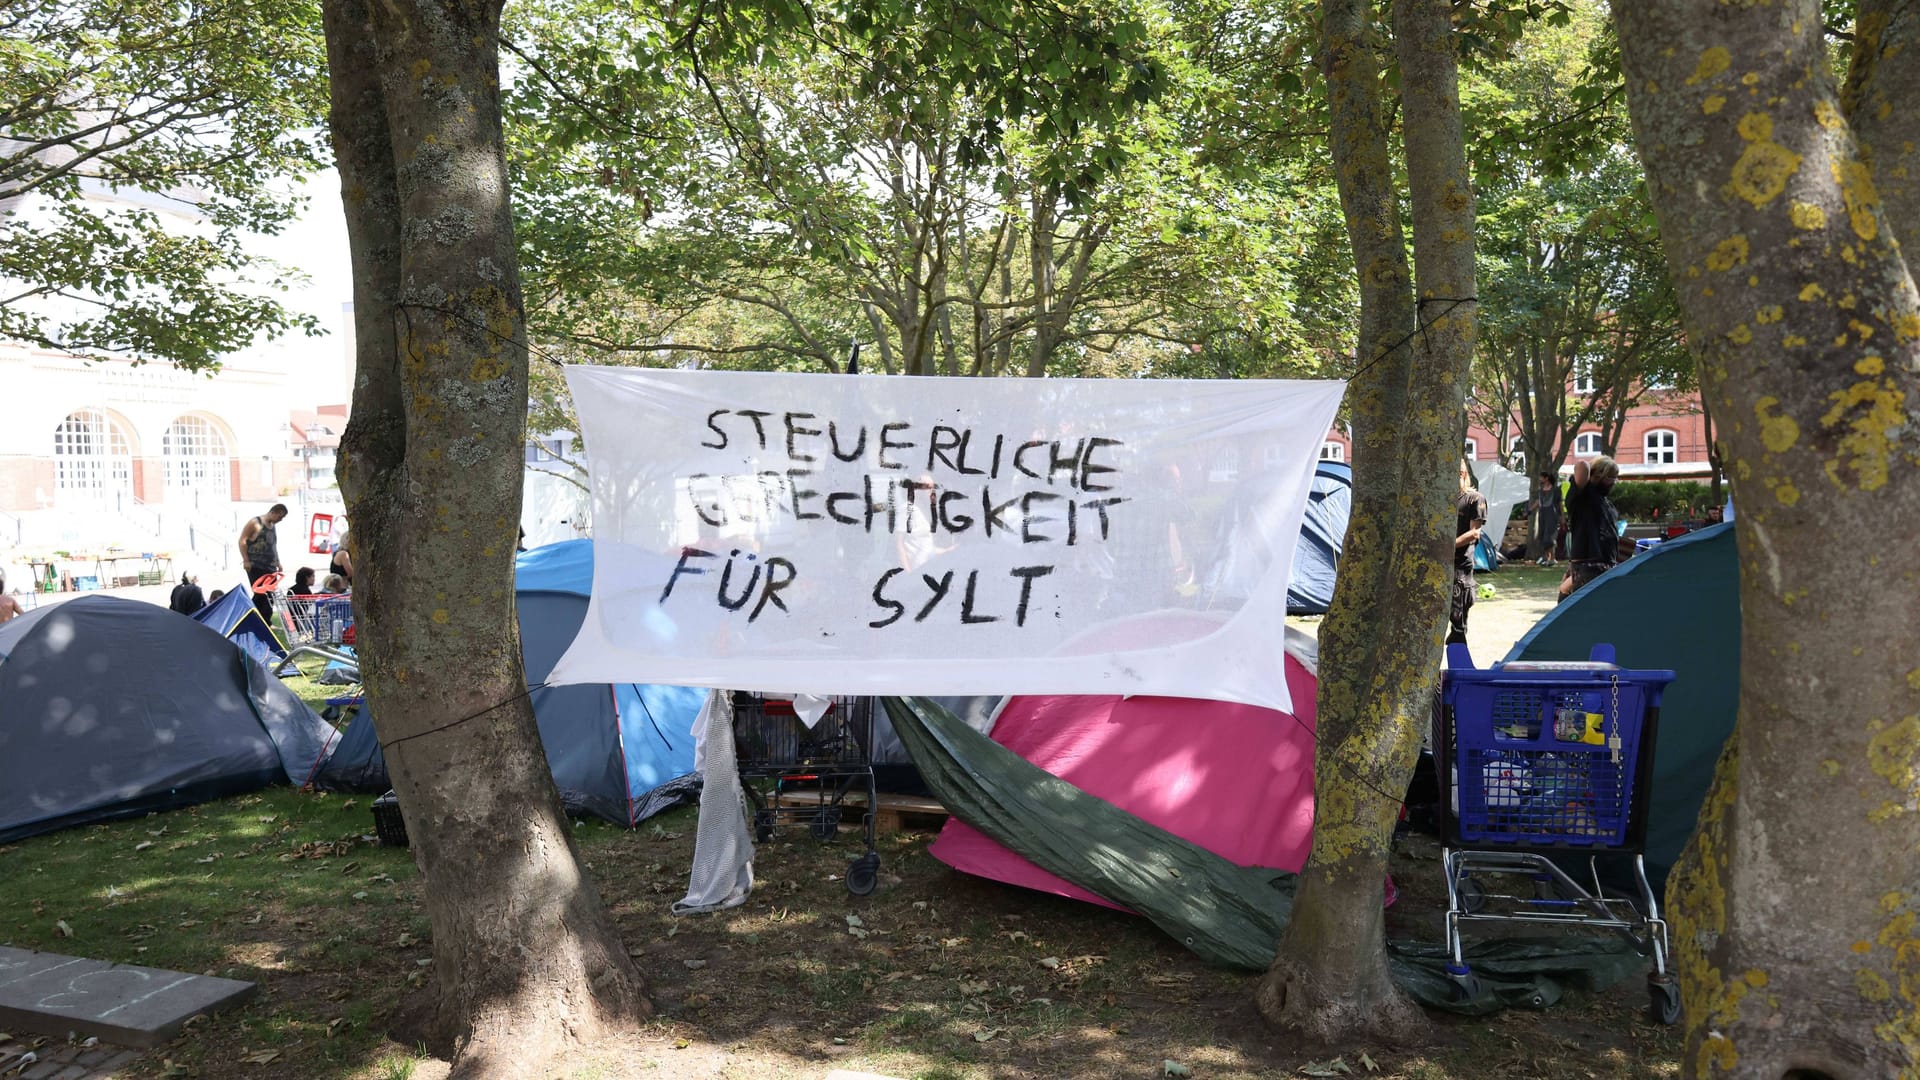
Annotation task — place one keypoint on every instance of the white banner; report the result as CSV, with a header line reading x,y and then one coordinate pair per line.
x,y
891,535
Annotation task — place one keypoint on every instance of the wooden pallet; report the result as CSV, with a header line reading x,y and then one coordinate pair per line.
x,y
896,813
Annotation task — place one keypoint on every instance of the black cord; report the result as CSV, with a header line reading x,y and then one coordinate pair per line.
x,y
1419,330
522,695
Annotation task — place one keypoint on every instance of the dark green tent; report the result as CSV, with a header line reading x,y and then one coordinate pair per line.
x,y
1673,606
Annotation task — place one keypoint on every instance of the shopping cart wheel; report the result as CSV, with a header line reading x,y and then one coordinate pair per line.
x,y
1472,895
863,874
762,826
825,824
1663,999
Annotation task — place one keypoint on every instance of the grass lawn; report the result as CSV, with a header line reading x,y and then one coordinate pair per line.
x,y
938,976
942,977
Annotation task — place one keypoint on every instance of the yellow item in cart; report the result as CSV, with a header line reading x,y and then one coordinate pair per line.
x,y
1596,731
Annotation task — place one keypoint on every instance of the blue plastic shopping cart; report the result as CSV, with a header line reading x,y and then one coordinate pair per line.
x,y
1539,761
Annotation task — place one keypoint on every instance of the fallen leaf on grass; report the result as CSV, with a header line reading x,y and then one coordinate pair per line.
x,y
1336,1067
406,940
337,1025
1050,962
694,965
362,895
854,920
170,1067
1170,1067
682,1044
262,1057
986,1036
1367,1062
143,845
61,928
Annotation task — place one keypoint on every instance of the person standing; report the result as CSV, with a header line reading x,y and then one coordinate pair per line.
x,y
1546,517
260,553
1470,515
1593,524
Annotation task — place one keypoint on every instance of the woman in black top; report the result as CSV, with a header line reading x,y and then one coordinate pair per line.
x,y
302,582
1593,525
342,563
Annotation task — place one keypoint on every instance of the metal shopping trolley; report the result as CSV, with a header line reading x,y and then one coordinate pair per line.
x,y
1540,763
796,773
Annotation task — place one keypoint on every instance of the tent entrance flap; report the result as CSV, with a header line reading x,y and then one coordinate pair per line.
x,y
1230,915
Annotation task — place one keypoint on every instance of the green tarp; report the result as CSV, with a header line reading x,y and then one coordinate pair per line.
x,y
1230,915
1675,606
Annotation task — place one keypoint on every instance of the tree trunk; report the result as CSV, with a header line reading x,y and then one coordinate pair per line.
x,y
1046,333
1794,908
1380,641
526,959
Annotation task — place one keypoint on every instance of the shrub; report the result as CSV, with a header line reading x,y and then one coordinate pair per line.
x,y
1637,500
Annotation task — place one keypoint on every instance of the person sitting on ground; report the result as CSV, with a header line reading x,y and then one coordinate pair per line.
x,y
335,585
187,597
9,607
1593,524
302,582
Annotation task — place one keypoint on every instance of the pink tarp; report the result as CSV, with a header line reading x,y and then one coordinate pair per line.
x,y
1234,779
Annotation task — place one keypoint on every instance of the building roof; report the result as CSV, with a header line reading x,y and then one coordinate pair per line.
x,y
319,428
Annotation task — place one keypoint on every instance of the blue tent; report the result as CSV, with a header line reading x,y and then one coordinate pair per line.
x,y
235,617
114,708
1673,606
622,752
1322,533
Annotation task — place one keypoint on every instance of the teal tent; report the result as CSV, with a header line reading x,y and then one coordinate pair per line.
x,y
1673,606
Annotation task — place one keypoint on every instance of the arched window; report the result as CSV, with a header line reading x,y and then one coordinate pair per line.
x,y
1470,450
1662,447
1517,454
196,459
1587,444
1332,451
90,458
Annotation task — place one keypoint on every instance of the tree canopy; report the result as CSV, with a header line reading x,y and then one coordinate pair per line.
x,y
139,143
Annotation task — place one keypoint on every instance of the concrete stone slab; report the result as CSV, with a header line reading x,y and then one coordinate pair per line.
x,y
116,1003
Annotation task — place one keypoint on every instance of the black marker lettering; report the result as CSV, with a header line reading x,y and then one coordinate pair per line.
x,y
800,495
1026,574
966,602
835,514
879,598
1069,464
937,447
992,514
833,440
1099,506
701,508
1029,519
711,417
887,444
939,589
1021,453
1088,468
726,576
759,429
949,520
682,568
774,585
794,431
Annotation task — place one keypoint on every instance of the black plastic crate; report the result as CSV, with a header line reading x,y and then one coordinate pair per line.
x,y
388,825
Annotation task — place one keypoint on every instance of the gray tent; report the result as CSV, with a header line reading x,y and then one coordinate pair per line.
x,y
112,708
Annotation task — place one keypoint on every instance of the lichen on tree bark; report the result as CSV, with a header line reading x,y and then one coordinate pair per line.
x,y
527,961
1380,642
1794,909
